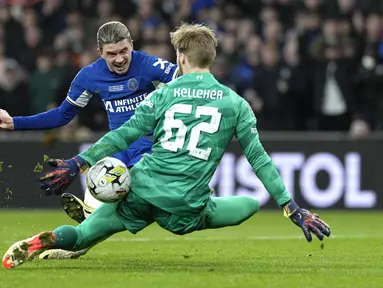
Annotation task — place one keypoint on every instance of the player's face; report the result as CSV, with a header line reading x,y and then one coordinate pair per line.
x,y
118,56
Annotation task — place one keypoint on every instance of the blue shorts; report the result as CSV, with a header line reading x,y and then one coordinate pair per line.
x,y
131,156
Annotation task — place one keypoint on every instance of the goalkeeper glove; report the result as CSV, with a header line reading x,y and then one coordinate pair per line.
x,y
62,175
307,221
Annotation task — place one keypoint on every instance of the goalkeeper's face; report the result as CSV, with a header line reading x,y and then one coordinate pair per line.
x,y
118,56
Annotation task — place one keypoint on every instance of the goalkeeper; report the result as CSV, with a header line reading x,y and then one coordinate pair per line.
x,y
194,119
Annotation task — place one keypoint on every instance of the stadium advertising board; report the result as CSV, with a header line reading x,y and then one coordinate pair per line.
x,y
320,174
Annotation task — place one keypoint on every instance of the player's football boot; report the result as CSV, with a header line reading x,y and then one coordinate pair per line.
x,y
75,207
27,249
61,254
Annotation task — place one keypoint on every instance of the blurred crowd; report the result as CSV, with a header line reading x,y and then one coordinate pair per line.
x,y
301,64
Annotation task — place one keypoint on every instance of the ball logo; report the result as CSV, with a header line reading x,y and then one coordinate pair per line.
x,y
111,176
133,84
106,179
118,171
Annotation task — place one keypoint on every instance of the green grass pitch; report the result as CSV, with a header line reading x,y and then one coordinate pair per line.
x,y
265,251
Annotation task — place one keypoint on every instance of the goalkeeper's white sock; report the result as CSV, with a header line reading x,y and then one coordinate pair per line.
x,y
90,201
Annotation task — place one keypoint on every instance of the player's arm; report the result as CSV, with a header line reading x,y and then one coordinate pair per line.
x,y
264,168
142,122
266,171
77,98
53,118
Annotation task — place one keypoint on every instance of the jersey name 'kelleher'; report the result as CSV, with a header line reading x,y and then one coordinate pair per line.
x,y
198,93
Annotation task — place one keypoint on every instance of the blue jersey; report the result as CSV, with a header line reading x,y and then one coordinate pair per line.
x,y
120,94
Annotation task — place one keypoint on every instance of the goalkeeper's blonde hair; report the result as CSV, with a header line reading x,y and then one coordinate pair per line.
x,y
197,42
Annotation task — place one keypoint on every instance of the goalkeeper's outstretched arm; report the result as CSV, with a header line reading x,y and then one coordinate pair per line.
x,y
266,171
248,137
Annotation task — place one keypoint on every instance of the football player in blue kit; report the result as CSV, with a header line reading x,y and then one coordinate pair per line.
x,y
121,78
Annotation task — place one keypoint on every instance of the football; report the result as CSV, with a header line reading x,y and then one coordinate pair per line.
x,y
108,180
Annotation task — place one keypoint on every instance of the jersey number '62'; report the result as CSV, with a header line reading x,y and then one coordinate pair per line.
x,y
171,123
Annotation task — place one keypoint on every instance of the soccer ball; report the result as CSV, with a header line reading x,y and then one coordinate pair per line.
x,y
108,180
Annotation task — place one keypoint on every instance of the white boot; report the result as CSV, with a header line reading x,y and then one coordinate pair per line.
x,y
62,254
